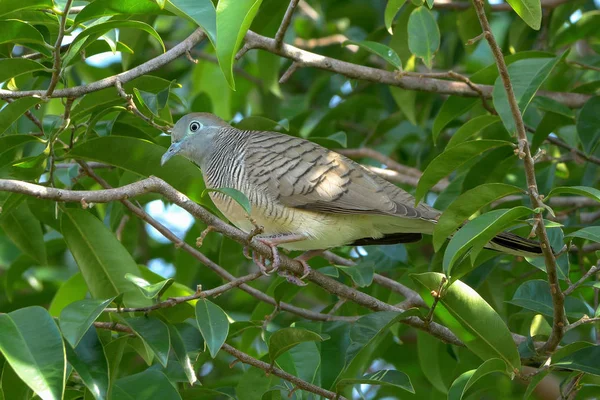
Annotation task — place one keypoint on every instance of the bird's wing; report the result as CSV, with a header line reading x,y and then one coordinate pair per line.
x,y
301,174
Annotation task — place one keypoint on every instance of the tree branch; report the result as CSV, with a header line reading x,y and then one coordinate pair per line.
x,y
301,384
525,154
157,185
285,23
124,77
223,273
354,71
57,47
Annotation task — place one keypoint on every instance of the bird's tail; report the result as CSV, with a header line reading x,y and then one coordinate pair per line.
x,y
516,245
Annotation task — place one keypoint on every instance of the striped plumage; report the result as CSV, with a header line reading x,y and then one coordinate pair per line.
x,y
297,187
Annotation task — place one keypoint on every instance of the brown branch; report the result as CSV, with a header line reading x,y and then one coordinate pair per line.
x,y
583,320
354,71
411,296
299,383
157,185
32,118
140,213
524,153
131,107
579,153
285,23
585,276
173,301
56,67
123,77
246,359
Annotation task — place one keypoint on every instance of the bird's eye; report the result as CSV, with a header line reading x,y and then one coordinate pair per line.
x,y
194,126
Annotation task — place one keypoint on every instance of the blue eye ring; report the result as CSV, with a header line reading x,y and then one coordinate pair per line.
x,y
195,126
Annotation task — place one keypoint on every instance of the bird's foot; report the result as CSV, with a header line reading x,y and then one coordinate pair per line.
x,y
274,251
293,279
260,262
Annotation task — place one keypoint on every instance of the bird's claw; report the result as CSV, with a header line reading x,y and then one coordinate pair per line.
x,y
293,279
274,251
305,267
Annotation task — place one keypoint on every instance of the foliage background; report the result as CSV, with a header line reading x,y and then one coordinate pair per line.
x,y
404,105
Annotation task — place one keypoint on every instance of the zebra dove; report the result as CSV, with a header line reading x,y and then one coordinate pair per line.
x,y
305,196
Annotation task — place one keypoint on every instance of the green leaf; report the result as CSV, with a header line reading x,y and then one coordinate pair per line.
x,y
153,333
90,34
181,353
148,385
371,326
25,231
101,8
384,377
423,35
202,12
467,379
535,380
450,160
530,11
235,194
154,102
12,111
361,274
588,125
535,295
586,191
466,205
89,361
381,50
72,290
478,232
150,290
142,157
19,32
472,319
12,67
526,77
391,10
588,233
584,360
31,343
233,20
102,259
452,108
286,338
11,386
213,325
10,6
471,128
434,359
76,318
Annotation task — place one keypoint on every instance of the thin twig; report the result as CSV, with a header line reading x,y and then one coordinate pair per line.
x,y
285,23
133,108
462,5
583,320
32,118
579,153
173,301
56,67
289,72
309,387
524,153
585,276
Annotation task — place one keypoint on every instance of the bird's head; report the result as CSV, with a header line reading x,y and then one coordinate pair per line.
x,y
193,135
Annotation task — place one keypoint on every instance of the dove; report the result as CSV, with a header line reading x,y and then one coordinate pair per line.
x,y
304,196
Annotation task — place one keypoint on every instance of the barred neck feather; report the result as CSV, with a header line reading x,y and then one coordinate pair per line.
x,y
225,165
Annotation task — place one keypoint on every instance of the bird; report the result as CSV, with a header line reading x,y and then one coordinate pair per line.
x,y
305,196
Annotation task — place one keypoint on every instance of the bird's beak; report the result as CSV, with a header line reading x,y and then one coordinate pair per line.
x,y
173,149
